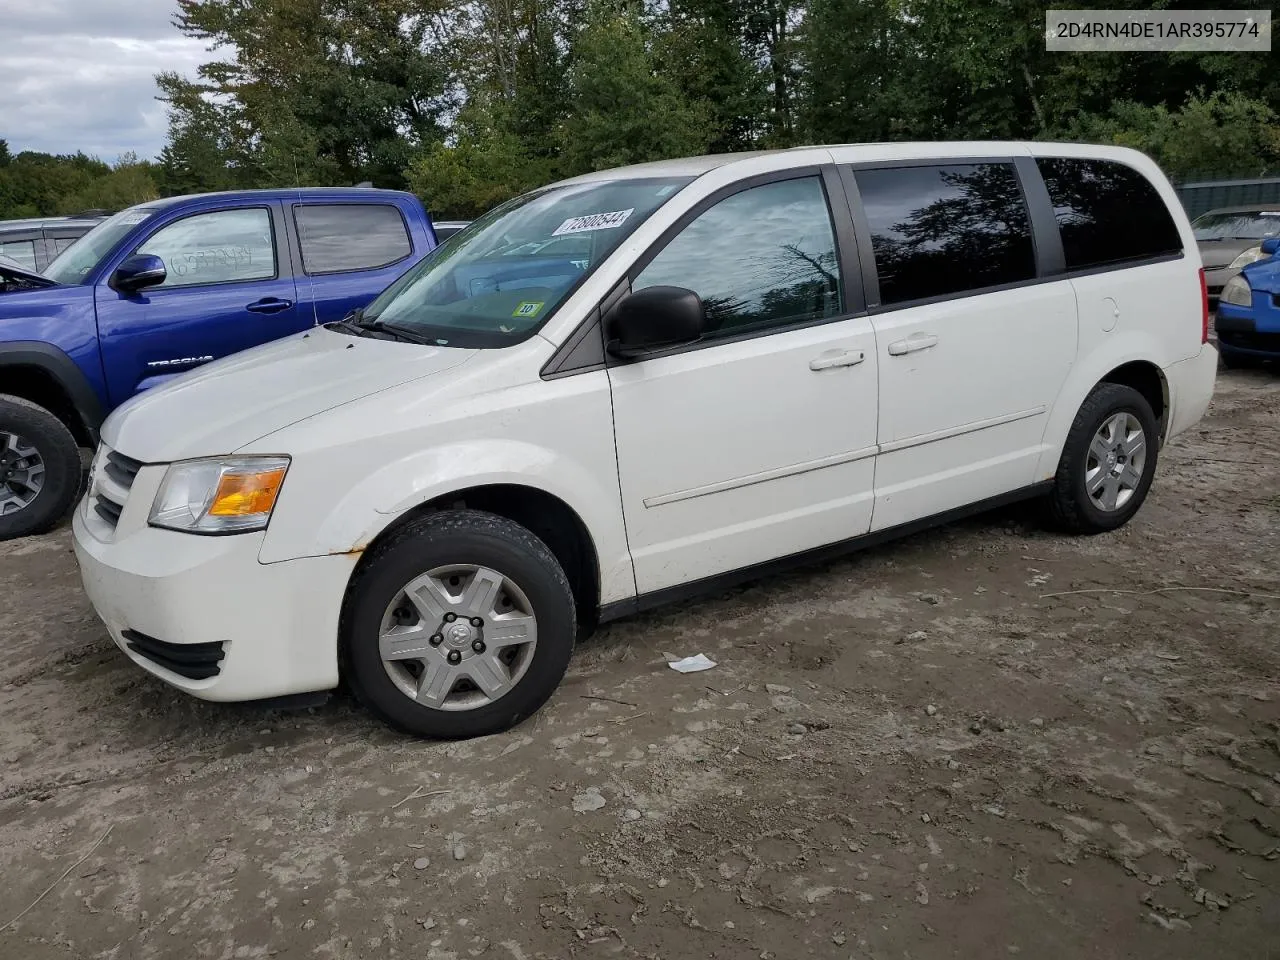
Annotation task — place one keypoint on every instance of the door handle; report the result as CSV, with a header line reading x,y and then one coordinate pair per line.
x,y
917,341
269,305
845,358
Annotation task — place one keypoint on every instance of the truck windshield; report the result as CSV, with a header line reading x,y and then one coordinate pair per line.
x,y
502,277
76,263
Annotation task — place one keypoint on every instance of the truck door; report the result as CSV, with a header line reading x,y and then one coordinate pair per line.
x,y
229,286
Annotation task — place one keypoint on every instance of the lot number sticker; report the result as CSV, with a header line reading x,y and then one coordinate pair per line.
x,y
528,308
595,221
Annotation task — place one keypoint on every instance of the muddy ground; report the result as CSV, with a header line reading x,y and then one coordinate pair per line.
x,y
985,741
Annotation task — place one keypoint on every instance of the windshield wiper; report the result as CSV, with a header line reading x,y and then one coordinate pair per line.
x,y
355,322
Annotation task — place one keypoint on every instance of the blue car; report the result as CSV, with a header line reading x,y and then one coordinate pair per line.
x,y
1248,321
162,288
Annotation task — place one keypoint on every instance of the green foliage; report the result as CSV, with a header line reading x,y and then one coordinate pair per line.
x,y
468,102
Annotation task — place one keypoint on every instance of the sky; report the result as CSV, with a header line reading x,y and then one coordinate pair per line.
x,y
80,74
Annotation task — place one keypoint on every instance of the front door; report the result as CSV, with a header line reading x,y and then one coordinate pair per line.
x,y
228,287
973,347
759,440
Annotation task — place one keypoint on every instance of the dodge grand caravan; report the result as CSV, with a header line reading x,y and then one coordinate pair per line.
x,y
639,384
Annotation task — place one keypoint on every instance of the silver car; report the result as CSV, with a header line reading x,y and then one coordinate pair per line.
x,y
1229,239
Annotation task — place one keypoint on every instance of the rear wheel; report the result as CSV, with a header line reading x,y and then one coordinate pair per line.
x,y
1107,463
461,625
39,468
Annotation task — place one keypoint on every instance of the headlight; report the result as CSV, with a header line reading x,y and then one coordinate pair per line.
x,y
1237,292
234,495
1252,255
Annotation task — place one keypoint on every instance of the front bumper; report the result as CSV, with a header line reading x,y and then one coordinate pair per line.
x,y
276,623
1253,330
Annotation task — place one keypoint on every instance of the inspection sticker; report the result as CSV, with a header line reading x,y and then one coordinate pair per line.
x,y
595,221
528,308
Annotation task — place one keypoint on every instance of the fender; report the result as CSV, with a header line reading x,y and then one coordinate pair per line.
x,y
1128,347
64,371
353,520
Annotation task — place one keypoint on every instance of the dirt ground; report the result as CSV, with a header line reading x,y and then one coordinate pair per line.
x,y
926,750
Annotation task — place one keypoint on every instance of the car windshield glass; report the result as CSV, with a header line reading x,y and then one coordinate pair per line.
x,y
502,277
77,262
1254,225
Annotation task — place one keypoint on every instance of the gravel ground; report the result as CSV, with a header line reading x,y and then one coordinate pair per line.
x,y
984,741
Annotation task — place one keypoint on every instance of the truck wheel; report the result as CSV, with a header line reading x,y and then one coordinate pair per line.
x,y
460,625
39,468
1107,463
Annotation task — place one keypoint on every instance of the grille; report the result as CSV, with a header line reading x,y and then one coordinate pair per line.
x,y
1250,340
195,661
113,485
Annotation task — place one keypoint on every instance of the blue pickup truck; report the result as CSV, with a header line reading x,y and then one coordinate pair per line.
x,y
163,287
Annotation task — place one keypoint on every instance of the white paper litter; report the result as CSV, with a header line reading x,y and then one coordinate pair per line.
x,y
692,664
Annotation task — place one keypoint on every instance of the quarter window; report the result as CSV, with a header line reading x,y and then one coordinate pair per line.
x,y
337,238
938,230
1107,212
23,251
225,246
761,258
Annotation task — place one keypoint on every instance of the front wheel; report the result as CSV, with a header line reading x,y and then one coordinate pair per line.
x,y
460,625
40,469
1107,463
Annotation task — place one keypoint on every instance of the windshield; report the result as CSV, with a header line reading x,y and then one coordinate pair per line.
x,y
502,277
1252,225
77,262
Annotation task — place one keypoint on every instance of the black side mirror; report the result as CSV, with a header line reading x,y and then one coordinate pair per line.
x,y
139,271
652,319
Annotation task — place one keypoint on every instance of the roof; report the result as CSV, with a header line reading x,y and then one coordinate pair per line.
x,y
276,193
1247,208
36,223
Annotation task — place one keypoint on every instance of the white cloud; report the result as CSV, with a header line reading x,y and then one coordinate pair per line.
x,y
80,74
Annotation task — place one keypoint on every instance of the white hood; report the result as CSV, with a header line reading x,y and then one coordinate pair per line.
x,y
230,403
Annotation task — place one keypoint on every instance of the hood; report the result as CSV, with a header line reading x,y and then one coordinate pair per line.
x,y
230,403
1263,275
1215,254
14,276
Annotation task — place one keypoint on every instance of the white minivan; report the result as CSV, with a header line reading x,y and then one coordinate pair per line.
x,y
637,385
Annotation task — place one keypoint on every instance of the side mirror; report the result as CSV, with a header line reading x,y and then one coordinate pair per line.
x,y
139,271
1270,246
652,319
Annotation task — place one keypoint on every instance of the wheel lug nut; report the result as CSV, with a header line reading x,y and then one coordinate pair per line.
x,y
477,646
477,622
435,639
455,657
450,617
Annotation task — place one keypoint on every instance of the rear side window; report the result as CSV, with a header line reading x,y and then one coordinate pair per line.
x,y
946,229
23,251
341,237
61,243
1107,212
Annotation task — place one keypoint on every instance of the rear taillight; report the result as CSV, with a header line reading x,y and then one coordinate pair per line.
x,y
1204,309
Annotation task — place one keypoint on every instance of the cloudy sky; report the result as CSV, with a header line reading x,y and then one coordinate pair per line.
x,y
79,74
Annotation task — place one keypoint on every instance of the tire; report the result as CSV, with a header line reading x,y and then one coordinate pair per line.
x,y
39,435
1071,506
457,542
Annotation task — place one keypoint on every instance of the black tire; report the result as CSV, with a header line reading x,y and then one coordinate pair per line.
x,y
62,471
1070,506
442,539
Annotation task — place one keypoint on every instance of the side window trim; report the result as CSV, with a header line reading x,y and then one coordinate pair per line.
x,y
297,228
275,246
853,295
862,229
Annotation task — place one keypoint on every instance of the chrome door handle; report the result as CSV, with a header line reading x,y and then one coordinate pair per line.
x,y
845,358
917,341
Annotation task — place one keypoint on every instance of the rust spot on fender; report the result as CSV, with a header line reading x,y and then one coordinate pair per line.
x,y
353,552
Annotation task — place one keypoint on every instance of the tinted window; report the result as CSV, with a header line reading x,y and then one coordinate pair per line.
x,y
225,246
946,229
23,251
763,257
1107,212
341,237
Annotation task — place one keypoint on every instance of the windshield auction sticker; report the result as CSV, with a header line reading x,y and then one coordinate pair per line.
x,y
596,221
1155,30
